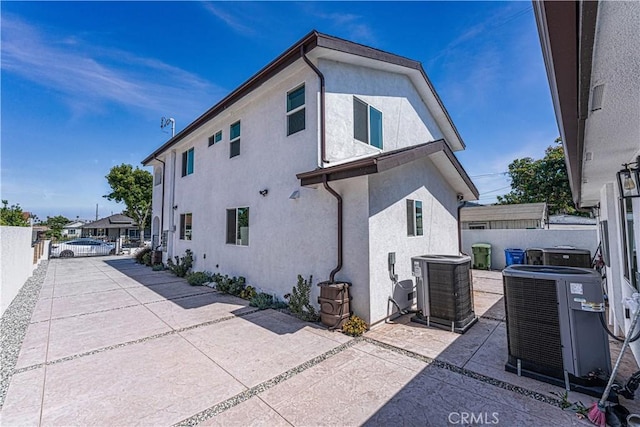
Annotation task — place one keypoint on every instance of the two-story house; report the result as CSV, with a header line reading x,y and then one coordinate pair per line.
x,y
328,159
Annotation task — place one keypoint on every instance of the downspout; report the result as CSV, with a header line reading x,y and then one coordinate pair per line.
x,y
324,160
172,204
322,98
460,206
164,169
339,199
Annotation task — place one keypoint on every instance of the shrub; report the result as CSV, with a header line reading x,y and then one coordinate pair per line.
x,y
262,301
236,286
248,293
140,254
198,278
278,304
158,267
182,265
355,326
146,259
222,283
299,300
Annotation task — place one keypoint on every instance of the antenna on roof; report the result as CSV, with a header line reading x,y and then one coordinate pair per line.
x,y
164,122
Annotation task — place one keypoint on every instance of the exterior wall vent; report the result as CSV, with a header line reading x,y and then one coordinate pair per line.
x,y
596,97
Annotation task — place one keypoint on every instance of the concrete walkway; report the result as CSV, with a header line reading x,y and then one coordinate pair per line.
x,y
111,342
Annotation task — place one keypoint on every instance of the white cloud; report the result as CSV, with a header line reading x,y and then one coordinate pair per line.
x,y
228,18
343,24
88,76
352,25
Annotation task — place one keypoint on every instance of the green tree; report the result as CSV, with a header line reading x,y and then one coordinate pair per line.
x,y
12,215
55,224
542,180
134,187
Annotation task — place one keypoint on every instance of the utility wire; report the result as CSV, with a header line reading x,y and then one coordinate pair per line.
x,y
489,174
497,189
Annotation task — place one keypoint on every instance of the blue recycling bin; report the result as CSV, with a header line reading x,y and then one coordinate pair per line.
x,y
514,256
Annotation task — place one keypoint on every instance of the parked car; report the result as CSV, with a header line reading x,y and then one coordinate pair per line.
x,y
82,247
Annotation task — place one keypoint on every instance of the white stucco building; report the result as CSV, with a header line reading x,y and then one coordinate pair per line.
x,y
592,55
73,229
325,161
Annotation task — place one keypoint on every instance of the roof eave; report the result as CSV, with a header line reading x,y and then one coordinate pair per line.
x,y
352,48
310,41
567,33
284,60
385,161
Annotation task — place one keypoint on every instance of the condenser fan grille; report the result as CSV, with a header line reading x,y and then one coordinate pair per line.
x,y
532,322
567,259
450,291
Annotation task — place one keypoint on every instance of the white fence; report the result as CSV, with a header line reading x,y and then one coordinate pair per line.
x,y
525,239
16,262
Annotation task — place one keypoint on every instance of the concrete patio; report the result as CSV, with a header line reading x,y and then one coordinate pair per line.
x,y
110,342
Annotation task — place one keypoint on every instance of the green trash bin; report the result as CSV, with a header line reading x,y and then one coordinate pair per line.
x,y
481,256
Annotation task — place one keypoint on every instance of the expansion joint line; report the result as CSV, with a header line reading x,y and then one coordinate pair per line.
x,y
467,373
128,343
255,390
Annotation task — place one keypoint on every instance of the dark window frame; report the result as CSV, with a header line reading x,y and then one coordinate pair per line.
x,y
186,155
295,112
236,220
215,138
363,124
186,233
415,218
234,140
629,251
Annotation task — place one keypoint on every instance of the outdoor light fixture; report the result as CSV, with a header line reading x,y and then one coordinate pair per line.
x,y
264,192
295,195
629,179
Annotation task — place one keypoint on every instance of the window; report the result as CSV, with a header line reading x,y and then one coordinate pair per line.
x,y
215,138
414,218
234,138
238,226
185,226
367,123
295,111
157,177
477,226
628,241
71,231
187,162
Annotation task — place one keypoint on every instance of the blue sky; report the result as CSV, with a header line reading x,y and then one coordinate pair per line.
x,y
84,84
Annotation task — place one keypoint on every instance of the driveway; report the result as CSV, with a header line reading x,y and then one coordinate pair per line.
x,y
110,342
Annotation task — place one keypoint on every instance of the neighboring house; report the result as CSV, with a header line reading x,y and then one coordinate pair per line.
x,y
73,229
524,215
323,163
591,56
111,228
39,232
571,222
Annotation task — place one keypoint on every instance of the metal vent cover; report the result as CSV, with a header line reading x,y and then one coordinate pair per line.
x,y
567,257
533,326
597,96
450,291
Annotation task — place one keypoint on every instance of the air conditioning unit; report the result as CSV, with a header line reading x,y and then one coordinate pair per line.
x,y
553,331
535,256
445,293
567,257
